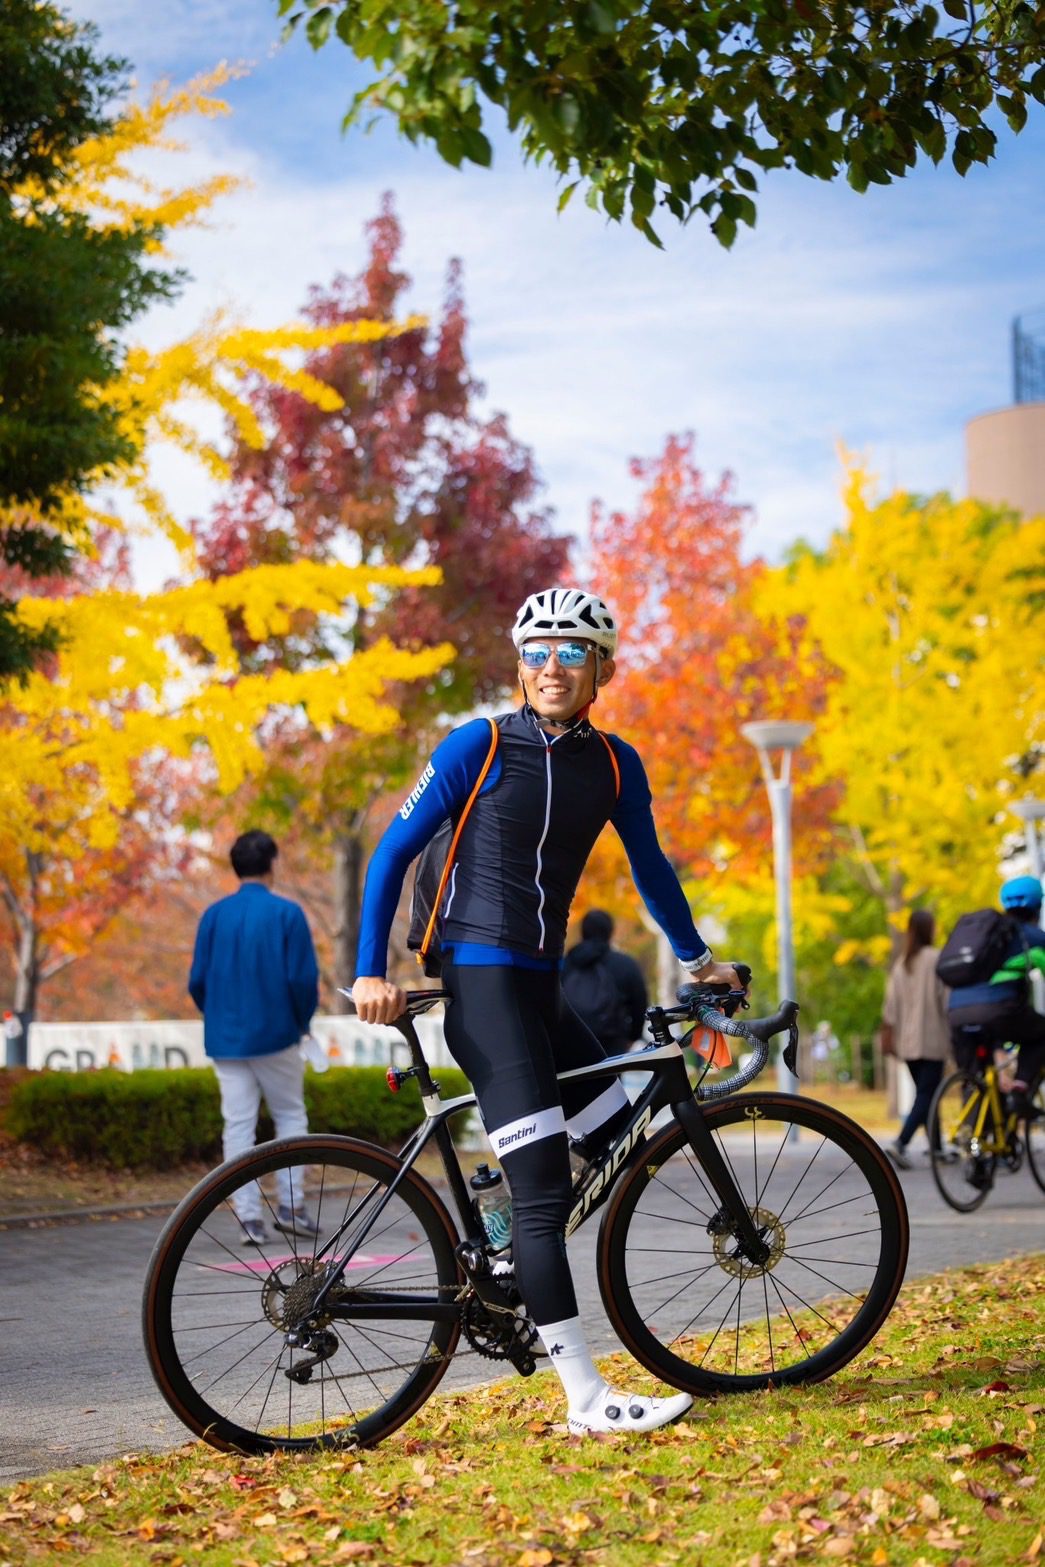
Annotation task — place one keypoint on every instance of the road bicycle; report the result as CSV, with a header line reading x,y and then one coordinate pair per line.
x,y
972,1126
731,1256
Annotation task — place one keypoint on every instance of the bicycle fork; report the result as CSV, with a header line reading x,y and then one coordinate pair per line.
x,y
733,1215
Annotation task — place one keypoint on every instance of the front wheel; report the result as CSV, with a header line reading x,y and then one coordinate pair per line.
x,y
694,1310
962,1141
224,1317
1034,1131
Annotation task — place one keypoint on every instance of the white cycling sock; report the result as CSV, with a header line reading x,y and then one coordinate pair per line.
x,y
568,1352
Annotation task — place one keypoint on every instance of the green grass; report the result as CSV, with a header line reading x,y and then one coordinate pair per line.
x,y
925,1451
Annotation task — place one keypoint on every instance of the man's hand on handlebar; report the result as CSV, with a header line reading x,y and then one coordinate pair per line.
x,y
719,974
377,1000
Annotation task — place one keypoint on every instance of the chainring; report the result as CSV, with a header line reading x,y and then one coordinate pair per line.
x,y
495,1336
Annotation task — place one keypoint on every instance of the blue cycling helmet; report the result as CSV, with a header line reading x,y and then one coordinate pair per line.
x,y
1022,892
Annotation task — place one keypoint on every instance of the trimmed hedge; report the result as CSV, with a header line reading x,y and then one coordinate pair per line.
x,y
153,1119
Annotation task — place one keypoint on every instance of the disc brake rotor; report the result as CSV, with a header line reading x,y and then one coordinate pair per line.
x,y
732,1260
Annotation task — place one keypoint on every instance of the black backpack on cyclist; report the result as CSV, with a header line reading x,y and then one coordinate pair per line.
x,y
434,865
976,948
594,994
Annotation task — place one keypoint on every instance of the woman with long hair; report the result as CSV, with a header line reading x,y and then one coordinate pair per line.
x,y
914,1024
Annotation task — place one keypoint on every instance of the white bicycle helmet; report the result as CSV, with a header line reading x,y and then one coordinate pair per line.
x,y
566,612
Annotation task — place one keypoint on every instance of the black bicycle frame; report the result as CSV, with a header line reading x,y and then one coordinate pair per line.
x,y
670,1088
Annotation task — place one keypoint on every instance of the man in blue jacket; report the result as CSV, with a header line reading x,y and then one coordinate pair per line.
x,y
552,784
254,978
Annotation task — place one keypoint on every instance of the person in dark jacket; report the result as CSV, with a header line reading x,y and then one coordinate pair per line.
x,y
605,987
255,979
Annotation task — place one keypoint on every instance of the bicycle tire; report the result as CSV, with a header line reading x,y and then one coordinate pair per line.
x,y
658,1331
1034,1131
199,1257
964,1174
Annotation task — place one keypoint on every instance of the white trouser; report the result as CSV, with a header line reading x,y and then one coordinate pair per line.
x,y
243,1080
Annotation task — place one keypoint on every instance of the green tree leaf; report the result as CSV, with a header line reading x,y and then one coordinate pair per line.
x,y
692,94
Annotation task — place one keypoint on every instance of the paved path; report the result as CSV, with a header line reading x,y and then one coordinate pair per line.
x,y
74,1386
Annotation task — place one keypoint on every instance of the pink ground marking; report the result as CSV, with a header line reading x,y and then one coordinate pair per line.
x,y
266,1265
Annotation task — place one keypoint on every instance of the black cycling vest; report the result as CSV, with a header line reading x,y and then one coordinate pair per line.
x,y
528,838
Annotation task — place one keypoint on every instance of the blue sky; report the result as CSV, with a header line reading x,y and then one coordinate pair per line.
x,y
878,322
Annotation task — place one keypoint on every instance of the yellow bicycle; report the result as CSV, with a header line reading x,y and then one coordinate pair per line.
x,y
972,1126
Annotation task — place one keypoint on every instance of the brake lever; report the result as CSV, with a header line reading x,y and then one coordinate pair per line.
x,y
790,1051
722,997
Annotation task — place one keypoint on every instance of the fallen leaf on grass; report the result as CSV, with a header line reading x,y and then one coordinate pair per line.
x,y
354,1550
537,1558
1034,1548
998,1450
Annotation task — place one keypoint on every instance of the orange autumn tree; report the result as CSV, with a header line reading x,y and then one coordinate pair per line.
x,y
695,664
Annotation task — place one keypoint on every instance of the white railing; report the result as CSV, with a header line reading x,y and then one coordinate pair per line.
x,y
82,1047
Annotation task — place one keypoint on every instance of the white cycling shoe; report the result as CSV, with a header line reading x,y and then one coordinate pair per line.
x,y
613,1411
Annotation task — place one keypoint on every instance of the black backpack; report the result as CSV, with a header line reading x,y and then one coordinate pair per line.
x,y
434,864
976,948
594,995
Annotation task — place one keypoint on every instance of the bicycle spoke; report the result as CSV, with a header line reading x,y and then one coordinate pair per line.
x,y
704,1320
229,1364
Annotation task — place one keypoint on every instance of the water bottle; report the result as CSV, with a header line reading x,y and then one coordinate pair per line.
x,y
495,1205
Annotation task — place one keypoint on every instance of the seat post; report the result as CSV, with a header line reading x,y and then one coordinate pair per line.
x,y
405,1026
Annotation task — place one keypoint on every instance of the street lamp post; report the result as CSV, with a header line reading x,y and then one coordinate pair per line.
x,y
1030,813
769,736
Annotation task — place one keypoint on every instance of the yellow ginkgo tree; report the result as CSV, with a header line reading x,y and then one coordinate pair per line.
x,y
147,692
142,681
931,612
159,390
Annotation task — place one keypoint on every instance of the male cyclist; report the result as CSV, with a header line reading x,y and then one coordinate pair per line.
x,y
1003,1004
554,783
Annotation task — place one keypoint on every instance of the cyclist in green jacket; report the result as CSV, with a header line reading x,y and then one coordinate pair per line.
x,y
1002,1005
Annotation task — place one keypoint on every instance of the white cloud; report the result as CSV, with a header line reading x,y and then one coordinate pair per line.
x,y
879,322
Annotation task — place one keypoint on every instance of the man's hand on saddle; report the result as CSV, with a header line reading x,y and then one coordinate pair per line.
x,y
377,1000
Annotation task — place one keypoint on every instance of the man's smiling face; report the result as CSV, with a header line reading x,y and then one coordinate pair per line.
x,y
557,691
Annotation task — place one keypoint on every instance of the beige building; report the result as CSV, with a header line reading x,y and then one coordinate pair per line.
x,y
1005,457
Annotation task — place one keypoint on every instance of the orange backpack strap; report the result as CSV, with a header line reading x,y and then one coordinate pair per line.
x,y
613,760
438,900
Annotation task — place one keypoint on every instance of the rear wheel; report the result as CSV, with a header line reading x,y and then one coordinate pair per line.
x,y
962,1141
699,1314
217,1311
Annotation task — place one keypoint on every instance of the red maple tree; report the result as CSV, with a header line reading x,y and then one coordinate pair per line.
x,y
695,662
404,472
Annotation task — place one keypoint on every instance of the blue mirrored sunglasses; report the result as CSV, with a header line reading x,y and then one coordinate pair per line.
x,y
571,655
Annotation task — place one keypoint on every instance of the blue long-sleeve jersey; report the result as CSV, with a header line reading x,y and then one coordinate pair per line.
x,y
525,843
254,974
